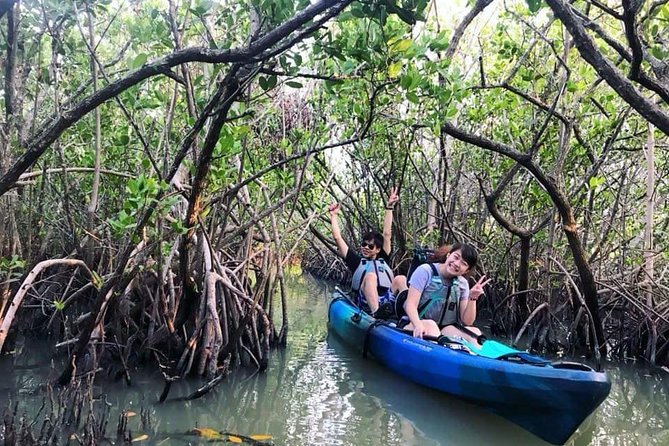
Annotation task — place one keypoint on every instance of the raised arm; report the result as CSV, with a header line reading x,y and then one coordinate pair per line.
x,y
393,198
342,247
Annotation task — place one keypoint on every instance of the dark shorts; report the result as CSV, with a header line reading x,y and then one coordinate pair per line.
x,y
387,298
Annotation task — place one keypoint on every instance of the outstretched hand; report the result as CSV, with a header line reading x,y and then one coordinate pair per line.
x,y
393,198
477,290
334,208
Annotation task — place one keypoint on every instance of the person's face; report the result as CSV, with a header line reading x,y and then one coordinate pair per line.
x,y
455,264
369,249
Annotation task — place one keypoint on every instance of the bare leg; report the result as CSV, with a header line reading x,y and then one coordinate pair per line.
x,y
432,329
369,283
399,284
452,331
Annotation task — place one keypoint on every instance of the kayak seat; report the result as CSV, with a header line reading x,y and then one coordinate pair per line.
x,y
572,366
454,344
525,358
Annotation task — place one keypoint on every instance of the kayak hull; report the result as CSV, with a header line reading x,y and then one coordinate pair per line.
x,y
549,401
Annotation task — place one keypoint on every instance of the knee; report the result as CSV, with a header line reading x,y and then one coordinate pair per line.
x,y
399,283
475,330
431,327
450,330
369,279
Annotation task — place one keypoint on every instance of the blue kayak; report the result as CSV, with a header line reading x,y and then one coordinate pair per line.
x,y
551,400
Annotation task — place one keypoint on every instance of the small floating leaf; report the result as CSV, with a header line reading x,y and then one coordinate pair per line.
x,y
129,413
260,437
208,433
233,439
141,438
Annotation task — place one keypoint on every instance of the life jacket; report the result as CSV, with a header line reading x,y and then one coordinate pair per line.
x,y
440,301
384,274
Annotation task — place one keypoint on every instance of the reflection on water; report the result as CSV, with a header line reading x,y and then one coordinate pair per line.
x,y
319,392
637,410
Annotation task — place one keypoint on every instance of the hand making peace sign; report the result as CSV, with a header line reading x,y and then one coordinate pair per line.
x,y
477,290
393,198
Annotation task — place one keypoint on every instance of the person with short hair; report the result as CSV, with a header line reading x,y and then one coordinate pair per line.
x,y
373,280
440,300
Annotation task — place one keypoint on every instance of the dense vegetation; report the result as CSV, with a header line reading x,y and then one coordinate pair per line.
x,y
163,162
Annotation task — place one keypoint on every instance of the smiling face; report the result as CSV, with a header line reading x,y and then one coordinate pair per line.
x,y
455,265
369,250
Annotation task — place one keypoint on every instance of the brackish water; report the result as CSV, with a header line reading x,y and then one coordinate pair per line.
x,y
319,392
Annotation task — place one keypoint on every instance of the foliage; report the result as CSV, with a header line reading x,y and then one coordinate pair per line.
x,y
385,77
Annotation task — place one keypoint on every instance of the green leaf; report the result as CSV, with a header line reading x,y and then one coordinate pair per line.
x,y
406,81
405,15
271,81
178,227
412,97
357,11
534,5
294,84
416,79
331,85
401,46
139,60
658,52
440,43
394,69
664,12
595,182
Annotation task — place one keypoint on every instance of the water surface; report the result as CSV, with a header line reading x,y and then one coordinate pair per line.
x,y
319,392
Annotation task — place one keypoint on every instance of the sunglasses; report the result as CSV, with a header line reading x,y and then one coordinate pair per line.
x,y
368,245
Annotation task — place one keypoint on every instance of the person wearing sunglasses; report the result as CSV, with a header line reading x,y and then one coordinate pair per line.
x,y
373,281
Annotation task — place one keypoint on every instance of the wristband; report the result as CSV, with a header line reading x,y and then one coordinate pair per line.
x,y
390,208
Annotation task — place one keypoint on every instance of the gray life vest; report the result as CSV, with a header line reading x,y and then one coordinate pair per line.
x,y
384,274
439,301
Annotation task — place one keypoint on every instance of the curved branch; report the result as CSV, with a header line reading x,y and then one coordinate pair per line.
x,y
643,78
38,144
6,321
630,8
609,72
478,7
561,202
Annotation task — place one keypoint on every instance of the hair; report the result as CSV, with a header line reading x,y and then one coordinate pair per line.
x,y
374,235
469,254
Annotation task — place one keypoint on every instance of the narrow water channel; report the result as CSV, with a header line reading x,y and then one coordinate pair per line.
x,y
319,392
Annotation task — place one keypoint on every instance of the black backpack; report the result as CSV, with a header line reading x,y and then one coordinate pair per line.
x,y
420,256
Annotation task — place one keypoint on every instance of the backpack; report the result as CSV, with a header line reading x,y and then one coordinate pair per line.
x,y
420,256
